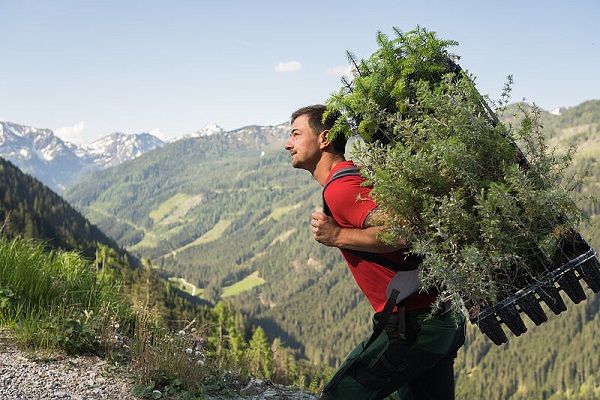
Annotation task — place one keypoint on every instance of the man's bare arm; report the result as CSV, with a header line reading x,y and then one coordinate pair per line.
x,y
326,231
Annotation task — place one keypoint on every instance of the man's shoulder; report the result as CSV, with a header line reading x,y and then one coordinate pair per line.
x,y
343,169
345,186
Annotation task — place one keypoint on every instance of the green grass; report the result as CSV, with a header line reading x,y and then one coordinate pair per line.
x,y
279,212
152,239
167,218
174,209
215,233
53,300
247,283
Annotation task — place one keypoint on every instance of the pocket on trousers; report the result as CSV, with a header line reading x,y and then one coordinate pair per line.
x,y
365,375
437,333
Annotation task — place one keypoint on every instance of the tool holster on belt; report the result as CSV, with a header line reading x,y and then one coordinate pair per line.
x,y
396,324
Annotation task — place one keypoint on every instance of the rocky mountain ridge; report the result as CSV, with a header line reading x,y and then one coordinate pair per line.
x,y
60,164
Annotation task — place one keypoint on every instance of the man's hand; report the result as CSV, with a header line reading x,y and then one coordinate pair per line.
x,y
325,230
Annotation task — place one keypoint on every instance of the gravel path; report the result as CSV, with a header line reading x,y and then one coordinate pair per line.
x,y
25,377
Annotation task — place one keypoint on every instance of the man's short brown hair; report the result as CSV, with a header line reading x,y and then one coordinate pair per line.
x,y
316,123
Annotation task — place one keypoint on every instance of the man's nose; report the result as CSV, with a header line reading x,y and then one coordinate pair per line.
x,y
288,144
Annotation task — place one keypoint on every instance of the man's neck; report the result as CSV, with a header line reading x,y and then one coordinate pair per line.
x,y
324,167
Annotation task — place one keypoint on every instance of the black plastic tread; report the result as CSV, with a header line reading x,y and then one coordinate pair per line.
x,y
566,278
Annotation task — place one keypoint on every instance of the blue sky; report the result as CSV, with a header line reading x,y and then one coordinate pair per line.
x,y
90,68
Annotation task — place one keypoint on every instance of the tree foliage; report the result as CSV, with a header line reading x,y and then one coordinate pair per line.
x,y
488,217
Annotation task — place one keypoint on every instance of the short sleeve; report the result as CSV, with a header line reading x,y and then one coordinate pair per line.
x,y
349,202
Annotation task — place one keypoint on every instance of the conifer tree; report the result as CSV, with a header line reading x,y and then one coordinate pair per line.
x,y
261,357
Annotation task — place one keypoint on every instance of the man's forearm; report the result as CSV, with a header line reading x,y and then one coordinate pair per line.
x,y
326,231
366,240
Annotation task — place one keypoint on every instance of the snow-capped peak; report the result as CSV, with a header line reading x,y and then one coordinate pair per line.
x,y
60,164
208,130
119,147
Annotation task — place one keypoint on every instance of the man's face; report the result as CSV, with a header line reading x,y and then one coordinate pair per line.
x,y
304,146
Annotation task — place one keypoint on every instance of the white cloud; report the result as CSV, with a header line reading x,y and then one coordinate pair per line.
x,y
156,132
71,134
288,66
340,71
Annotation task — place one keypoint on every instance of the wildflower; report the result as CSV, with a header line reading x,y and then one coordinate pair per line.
x,y
188,350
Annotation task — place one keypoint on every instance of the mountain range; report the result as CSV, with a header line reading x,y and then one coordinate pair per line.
x,y
60,164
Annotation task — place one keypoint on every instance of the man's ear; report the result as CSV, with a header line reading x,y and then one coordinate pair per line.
x,y
324,138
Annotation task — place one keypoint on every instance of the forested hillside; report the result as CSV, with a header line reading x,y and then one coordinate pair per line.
x,y
29,209
230,215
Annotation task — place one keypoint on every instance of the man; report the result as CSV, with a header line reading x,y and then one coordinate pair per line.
x,y
415,353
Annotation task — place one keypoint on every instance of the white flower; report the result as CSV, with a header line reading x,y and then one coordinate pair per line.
x,y
188,350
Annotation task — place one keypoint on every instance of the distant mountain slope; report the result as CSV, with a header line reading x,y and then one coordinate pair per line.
x,y
155,196
59,164
216,209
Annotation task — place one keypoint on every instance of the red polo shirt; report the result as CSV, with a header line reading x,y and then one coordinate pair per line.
x,y
350,203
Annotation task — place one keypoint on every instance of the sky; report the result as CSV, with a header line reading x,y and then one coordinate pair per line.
x,y
89,68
